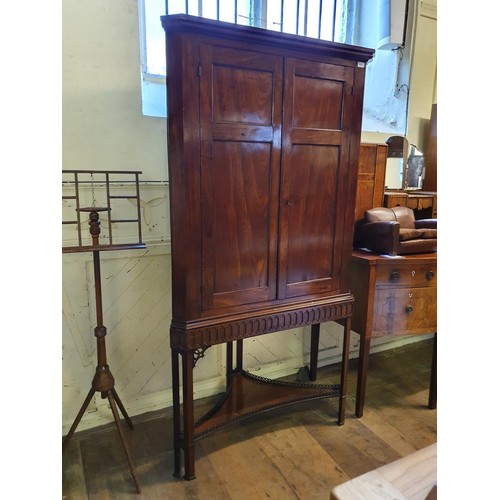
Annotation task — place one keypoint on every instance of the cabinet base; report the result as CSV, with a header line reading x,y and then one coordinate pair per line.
x,y
246,395
249,395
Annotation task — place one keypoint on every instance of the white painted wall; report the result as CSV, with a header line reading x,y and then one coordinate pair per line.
x,y
423,75
103,128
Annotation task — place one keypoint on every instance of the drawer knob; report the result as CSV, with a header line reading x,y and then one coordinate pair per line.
x,y
394,275
408,309
429,275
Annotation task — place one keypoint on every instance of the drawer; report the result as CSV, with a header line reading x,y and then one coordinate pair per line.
x,y
394,200
420,202
406,275
403,311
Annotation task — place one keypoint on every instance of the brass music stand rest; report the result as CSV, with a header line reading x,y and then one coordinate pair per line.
x,y
103,380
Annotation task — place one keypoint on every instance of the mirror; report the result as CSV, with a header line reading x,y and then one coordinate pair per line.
x,y
405,168
415,169
397,152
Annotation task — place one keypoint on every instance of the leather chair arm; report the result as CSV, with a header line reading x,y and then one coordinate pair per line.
x,y
426,223
382,236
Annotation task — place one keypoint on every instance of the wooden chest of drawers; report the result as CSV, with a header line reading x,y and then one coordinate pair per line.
x,y
393,296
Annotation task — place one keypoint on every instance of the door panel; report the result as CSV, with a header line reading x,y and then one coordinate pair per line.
x,y
310,245
241,172
317,123
328,116
240,97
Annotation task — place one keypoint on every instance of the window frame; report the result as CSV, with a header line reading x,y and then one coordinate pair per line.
x,y
380,110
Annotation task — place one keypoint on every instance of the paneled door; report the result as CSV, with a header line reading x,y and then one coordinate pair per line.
x,y
315,158
240,117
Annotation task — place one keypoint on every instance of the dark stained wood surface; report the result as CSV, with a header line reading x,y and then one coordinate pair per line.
x,y
240,128
263,150
315,165
371,178
290,453
430,180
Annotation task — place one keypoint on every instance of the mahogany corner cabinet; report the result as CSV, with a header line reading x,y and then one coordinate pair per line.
x,y
263,142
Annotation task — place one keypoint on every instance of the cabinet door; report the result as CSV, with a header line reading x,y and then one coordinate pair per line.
x,y
240,117
316,138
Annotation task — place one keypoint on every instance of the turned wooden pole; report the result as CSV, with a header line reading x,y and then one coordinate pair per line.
x,y
103,380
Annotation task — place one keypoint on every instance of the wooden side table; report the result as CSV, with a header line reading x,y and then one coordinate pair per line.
x,y
393,296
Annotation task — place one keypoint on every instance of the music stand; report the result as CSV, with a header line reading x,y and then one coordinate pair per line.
x,y
103,380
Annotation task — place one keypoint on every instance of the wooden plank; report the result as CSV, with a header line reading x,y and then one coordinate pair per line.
x,y
73,479
371,485
409,478
307,467
348,443
244,467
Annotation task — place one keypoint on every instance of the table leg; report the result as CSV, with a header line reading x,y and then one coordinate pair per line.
x,y
344,369
239,355
176,412
313,360
188,413
433,384
364,353
229,363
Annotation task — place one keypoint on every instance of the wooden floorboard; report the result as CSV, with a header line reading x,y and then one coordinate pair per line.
x,y
294,452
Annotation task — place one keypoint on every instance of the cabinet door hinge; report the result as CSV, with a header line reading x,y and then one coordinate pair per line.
x,y
199,70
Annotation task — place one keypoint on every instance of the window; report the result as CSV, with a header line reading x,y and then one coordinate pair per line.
x,y
368,23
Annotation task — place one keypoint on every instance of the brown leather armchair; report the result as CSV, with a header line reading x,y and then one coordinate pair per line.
x,y
395,231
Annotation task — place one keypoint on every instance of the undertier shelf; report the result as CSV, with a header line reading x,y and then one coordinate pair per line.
x,y
249,395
